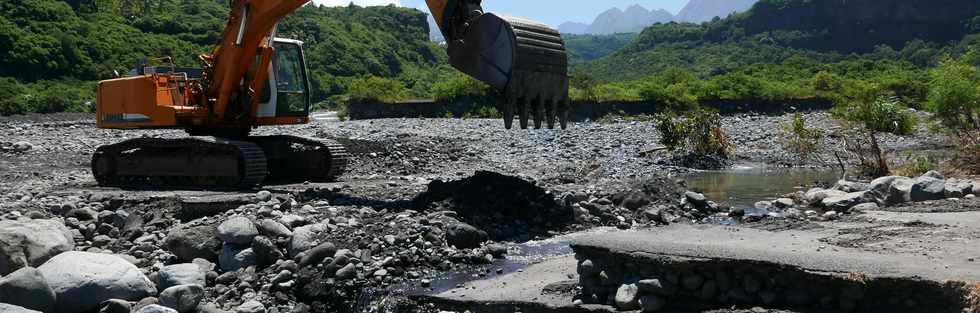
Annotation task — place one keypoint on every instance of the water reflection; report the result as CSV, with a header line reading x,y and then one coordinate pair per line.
x,y
743,186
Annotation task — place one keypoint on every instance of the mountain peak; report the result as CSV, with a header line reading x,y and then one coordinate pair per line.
x,y
697,11
634,19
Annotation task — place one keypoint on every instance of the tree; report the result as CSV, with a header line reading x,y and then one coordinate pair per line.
x,y
875,112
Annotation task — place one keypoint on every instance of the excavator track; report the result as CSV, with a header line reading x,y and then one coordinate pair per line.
x,y
216,163
299,159
194,162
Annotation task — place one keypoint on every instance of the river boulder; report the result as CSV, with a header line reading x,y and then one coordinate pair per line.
x,y
928,187
10,308
237,230
26,287
850,186
83,280
816,195
194,242
181,274
847,201
958,189
31,243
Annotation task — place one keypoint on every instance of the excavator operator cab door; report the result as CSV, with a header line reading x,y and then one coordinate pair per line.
x,y
287,96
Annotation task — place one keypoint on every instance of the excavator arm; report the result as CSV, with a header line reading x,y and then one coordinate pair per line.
x,y
524,61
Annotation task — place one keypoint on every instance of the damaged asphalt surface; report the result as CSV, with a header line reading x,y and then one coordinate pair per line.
x,y
422,198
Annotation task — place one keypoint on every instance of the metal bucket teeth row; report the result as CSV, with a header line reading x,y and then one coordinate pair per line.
x,y
531,105
538,88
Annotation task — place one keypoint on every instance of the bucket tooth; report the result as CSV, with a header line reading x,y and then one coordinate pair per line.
x,y
551,109
563,113
525,113
507,106
538,112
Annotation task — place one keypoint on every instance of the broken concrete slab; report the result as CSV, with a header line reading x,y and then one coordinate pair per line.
x,y
716,266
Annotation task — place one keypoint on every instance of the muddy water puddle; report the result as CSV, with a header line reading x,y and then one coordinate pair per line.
x,y
519,257
743,186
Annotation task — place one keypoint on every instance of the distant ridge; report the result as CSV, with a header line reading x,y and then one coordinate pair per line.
x,y
635,18
698,11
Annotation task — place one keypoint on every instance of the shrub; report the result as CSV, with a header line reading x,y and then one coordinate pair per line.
x,y
915,165
458,86
377,88
955,98
872,113
482,111
800,139
698,131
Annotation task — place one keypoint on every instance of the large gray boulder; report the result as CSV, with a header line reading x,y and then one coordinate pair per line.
x,y
880,186
156,308
465,236
850,186
304,238
10,308
846,202
26,287
183,298
900,191
238,230
234,257
31,243
83,280
181,274
266,252
194,242
816,195
273,229
928,187
958,189
976,188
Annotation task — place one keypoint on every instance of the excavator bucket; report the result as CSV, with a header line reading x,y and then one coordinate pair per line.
x,y
525,61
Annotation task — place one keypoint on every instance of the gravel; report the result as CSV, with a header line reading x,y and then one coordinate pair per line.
x,y
394,220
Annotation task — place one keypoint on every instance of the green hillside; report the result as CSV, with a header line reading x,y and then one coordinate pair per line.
x,y
917,31
583,48
56,50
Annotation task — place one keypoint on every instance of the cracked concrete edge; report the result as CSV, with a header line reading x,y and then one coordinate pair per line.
x,y
478,306
973,299
673,243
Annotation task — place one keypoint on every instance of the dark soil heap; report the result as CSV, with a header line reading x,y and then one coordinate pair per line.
x,y
506,207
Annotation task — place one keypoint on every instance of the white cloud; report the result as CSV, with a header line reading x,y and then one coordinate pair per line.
x,y
363,3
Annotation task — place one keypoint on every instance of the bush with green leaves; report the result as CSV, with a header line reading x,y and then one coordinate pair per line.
x,y
871,112
377,88
697,131
458,85
801,139
954,98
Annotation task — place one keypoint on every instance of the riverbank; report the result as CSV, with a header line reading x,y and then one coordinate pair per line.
x,y
339,246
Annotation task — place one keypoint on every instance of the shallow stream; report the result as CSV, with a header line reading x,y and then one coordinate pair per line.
x,y
743,186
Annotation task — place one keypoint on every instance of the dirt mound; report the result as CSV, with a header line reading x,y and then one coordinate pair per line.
x,y
506,207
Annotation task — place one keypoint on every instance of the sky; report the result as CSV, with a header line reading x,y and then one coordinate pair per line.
x,y
551,12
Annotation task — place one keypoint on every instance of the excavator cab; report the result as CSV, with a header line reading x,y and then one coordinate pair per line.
x,y
286,97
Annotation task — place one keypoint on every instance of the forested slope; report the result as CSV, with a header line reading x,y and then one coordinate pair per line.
x,y
916,31
56,50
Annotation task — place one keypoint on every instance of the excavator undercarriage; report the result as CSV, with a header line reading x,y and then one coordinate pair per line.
x,y
216,163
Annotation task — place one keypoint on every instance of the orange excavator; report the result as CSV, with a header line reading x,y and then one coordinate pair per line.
x,y
252,78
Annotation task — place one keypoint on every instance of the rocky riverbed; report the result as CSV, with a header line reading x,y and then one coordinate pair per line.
x,y
424,197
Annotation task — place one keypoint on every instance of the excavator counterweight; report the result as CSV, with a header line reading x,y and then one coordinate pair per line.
x,y
251,79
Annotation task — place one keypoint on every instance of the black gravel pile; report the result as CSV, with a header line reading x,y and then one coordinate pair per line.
x,y
506,207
